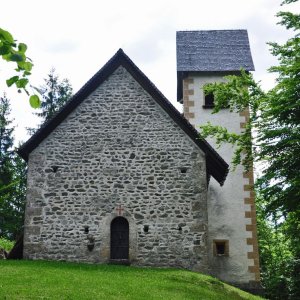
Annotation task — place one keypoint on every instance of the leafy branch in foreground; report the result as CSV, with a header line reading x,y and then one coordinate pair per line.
x,y
11,51
234,95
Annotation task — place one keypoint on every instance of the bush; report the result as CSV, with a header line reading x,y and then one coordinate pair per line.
x,y
6,244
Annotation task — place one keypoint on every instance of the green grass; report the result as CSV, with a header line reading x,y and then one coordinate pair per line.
x,y
59,280
6,244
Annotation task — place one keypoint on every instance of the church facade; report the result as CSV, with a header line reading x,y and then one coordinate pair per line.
x,y
119,175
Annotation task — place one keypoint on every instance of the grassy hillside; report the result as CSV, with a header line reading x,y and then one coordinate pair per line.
x,y
58,280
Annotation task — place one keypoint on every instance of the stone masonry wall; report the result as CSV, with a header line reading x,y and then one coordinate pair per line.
x,y
118,149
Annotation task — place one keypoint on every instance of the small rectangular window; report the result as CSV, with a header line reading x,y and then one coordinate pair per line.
x,y
209,100
221,247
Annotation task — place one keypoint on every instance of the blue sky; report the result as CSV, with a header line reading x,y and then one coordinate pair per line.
x,y
78,37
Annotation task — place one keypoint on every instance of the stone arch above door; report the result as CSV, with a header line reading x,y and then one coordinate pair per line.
x,y
105,228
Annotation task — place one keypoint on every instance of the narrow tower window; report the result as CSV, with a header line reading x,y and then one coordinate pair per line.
x,y
209,100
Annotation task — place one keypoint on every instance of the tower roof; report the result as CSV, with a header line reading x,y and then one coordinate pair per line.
x,y
213,51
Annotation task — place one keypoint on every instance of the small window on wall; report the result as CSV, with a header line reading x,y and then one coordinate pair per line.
x,y
208,100
221,247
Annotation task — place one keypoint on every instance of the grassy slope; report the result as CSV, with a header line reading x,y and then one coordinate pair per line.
x,y
58,280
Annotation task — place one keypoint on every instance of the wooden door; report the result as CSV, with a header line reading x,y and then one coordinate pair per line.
x,y
119,239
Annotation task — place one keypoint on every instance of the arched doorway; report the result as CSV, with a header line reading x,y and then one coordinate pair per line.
x,y
119,238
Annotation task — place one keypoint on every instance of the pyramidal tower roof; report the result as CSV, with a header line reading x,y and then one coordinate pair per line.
x,y
213,51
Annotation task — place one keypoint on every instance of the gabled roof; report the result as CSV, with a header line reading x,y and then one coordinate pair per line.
x,y
216,166
213,51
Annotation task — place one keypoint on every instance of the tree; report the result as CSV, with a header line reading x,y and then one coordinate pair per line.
x,y
55,93
12,178
12,200
6,142
275,254
11,51
275,125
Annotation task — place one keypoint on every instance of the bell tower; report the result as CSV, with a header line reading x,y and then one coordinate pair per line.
x,y
206,57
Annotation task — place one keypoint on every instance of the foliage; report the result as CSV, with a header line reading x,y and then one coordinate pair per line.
x,y
58,280
55,93
5,244
275,254
6,142
279,254
11,51
12,200
12,178
233,95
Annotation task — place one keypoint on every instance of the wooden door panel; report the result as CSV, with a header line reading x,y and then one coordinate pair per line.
x,y
119,238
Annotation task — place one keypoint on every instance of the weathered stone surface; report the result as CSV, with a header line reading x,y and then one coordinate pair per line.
x,y
118,149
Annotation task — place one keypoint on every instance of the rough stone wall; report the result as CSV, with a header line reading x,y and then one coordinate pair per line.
x,y
231,208
118,149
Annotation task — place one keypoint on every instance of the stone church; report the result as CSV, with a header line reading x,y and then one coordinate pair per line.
x,y
118,175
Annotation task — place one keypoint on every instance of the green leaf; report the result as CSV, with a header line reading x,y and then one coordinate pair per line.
x,y
6,36
12,80
25,65
13,57
22,83
22,47
35,101
17,57
4,49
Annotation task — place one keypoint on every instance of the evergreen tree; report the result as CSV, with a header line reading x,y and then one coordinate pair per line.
x,y
55,93
6,142
12,178
12,200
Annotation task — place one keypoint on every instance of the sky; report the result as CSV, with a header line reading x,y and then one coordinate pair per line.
x,y
78,37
